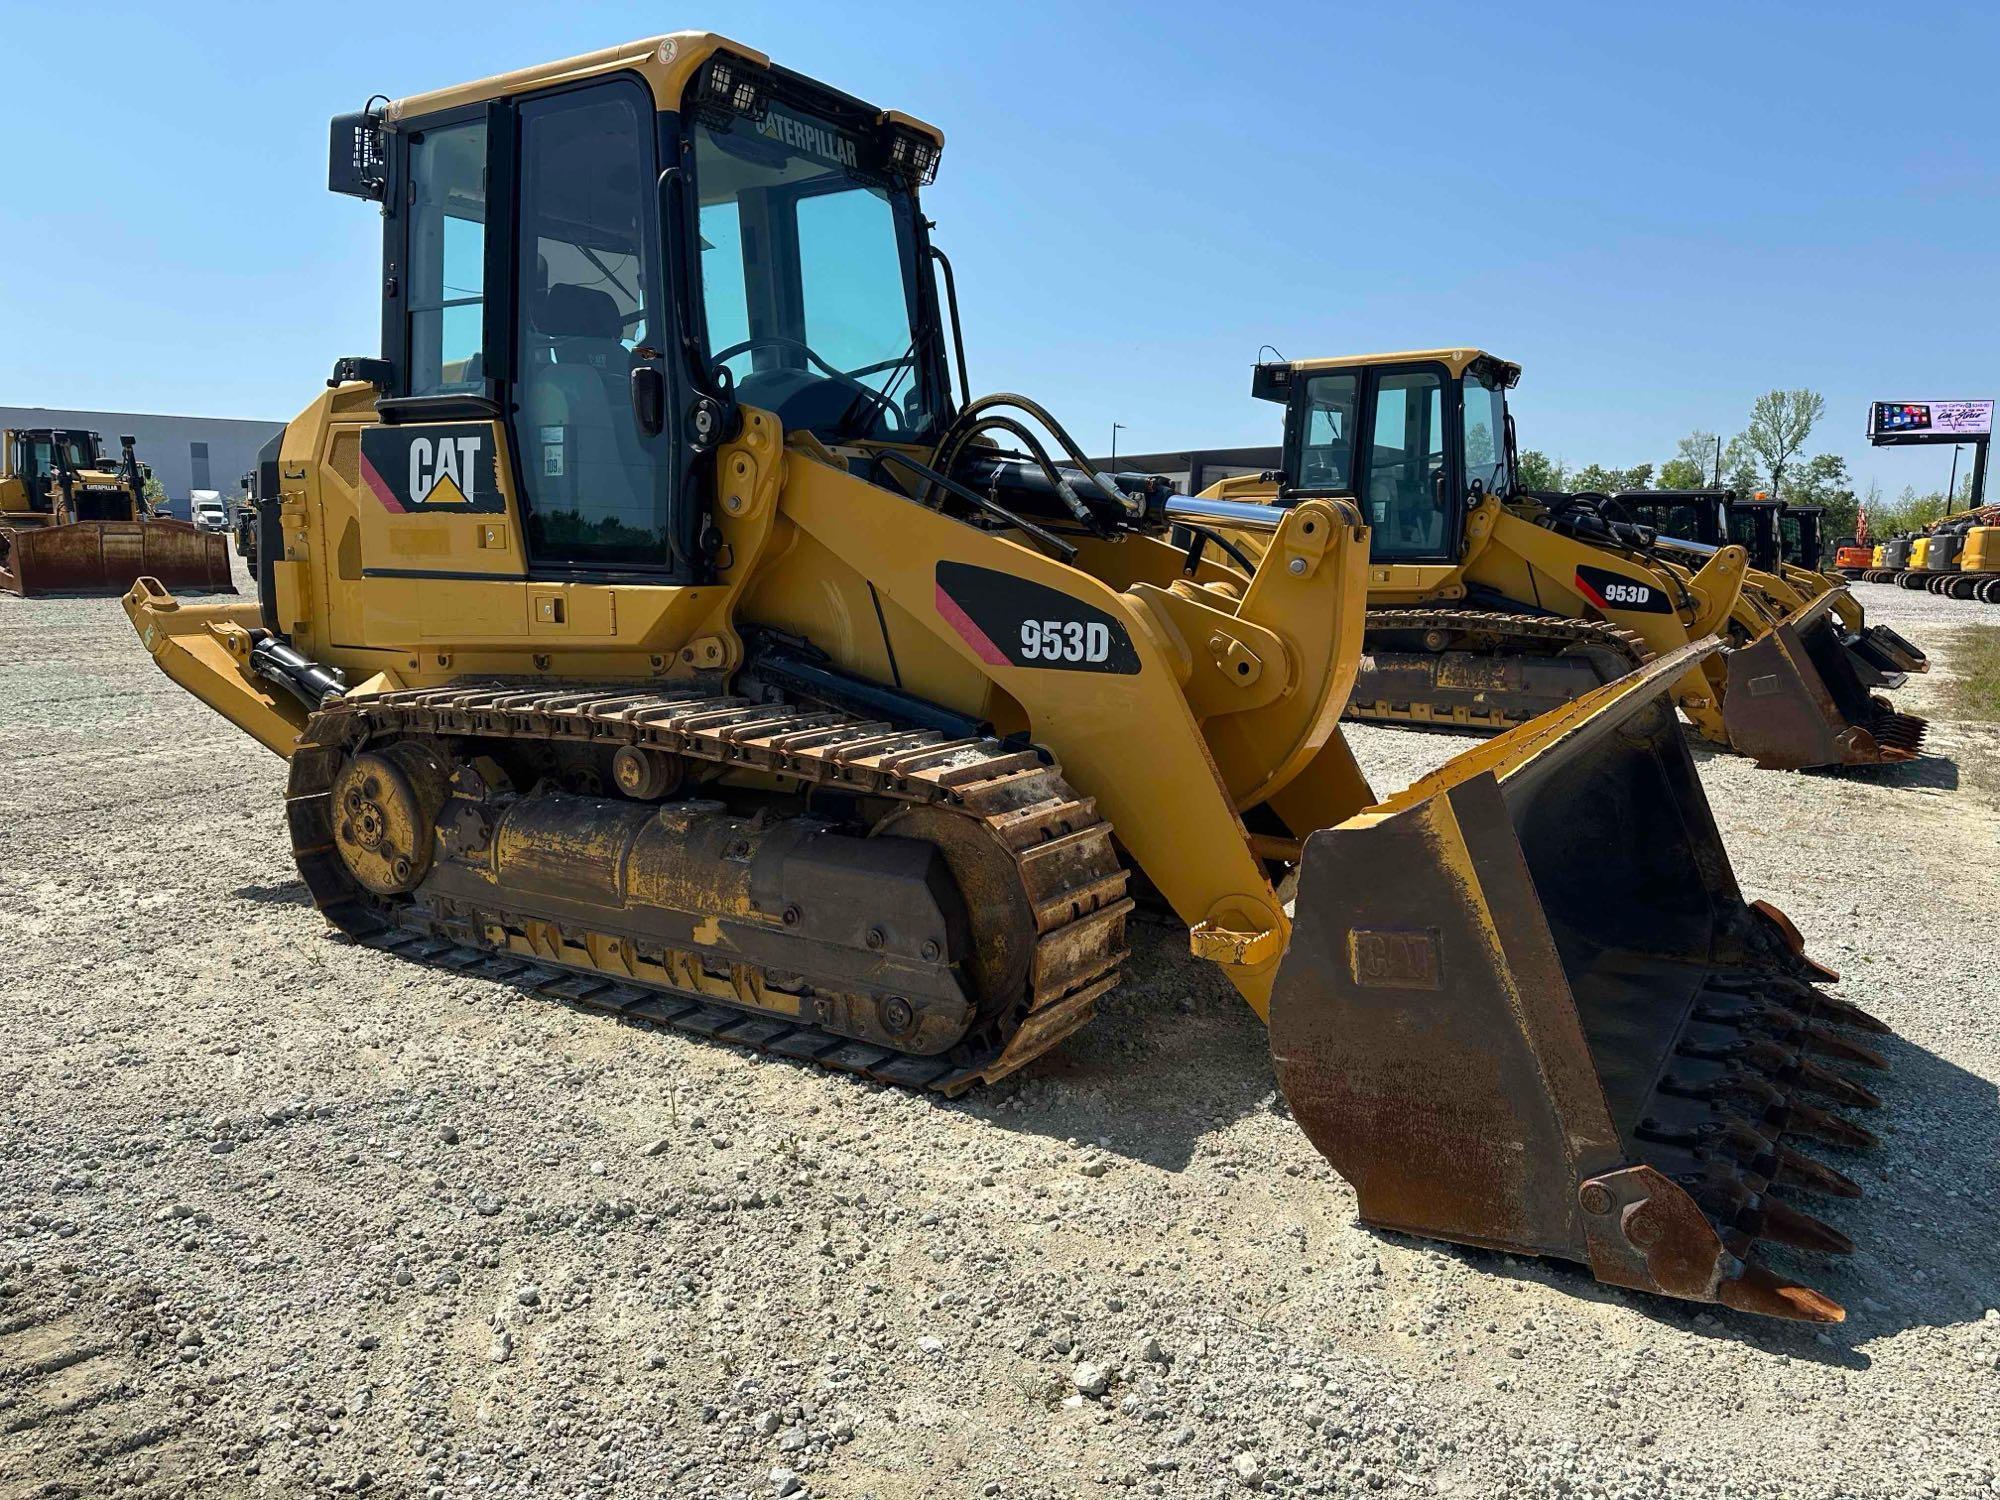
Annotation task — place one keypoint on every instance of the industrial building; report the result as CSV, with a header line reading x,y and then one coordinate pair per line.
x,y
1193,471
185,453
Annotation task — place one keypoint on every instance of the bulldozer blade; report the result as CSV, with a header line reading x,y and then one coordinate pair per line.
x,y
107,557
1487,1015
1794,699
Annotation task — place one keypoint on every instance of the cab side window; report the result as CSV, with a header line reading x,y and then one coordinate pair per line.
x,y
1326,458
1406,494
447,259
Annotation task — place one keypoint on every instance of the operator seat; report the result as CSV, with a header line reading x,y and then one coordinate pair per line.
x,y
582,450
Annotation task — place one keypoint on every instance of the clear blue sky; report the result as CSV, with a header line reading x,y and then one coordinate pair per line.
x,y
1659,210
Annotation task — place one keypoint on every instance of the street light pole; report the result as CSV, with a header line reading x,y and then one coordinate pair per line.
x,y
1116,428
1951,488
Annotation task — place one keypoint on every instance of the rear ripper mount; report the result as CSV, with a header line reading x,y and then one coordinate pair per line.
x,y
549,838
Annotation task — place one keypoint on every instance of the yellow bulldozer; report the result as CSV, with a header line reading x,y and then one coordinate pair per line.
x,y
73,521
656,624
1489,603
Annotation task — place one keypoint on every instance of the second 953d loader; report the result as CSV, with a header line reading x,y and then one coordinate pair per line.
x,y
1490,603
657,625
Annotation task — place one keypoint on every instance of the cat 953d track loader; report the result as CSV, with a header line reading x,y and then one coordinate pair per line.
x,y
656,624
1690,524
1489,603
72,522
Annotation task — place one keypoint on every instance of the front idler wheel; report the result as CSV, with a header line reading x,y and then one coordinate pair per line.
x,y
385,809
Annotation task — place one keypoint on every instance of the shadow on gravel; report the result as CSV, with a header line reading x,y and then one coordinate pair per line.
x,y
1175,1055
284,893
1928,772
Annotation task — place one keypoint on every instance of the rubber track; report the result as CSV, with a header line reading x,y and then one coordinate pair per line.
x,y
1069,871
1543,632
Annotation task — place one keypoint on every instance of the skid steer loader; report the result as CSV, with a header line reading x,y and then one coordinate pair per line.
x,y
1489,603
1688,523
72,522
655,624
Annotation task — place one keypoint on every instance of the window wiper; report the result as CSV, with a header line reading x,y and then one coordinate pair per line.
x,y
880,397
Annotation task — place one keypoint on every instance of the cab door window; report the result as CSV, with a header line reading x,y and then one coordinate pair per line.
x,y
1407,494
447,259
1326,454
596,486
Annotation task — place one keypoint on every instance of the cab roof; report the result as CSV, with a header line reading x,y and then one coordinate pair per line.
x,y
667,62
1456,360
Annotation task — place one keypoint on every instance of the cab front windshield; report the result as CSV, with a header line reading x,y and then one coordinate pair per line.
x,y
810,279
1485,433
74,450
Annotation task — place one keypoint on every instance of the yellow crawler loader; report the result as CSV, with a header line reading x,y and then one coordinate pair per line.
x,y
73,522
655,624
1689,524
1489,603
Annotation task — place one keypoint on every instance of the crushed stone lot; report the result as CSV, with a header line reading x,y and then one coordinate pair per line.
x,y
282,1216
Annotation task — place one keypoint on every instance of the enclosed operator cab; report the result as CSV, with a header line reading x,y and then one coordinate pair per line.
x,y
1416,439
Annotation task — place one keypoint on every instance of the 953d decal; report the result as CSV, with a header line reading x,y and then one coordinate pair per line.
x,y
1012,622
1609,591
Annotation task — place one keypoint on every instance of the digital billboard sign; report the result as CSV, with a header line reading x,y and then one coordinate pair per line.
x,y
1929,421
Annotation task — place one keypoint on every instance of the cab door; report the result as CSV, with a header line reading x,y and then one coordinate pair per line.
x,y
512,490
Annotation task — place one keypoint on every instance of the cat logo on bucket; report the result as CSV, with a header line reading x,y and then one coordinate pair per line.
x,y
449,469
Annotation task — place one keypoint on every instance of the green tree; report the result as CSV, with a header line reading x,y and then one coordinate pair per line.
x,y
1739,467
1682,474
1906,513
155,494
1780,423
1823,480
1693,463
1610,481
1540,472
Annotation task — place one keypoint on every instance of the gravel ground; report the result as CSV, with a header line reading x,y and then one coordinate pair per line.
x,y
285,1217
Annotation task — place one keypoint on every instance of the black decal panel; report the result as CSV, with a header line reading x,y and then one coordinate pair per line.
x,y
445,469
1012,622
1614,591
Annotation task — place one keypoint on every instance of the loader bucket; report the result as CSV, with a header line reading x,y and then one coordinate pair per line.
x,y
1525,1006
105,557
1889,652
1793,699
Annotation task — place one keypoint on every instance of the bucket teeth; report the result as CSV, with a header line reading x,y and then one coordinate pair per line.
x,y
1783,1024
1823,1125
1823,1080
1757,1290
1847,1013
1787,1226
1901,736
1797,1170
1828,1044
